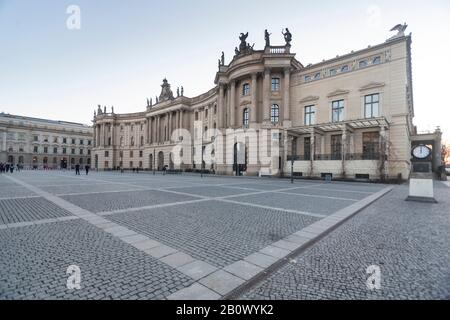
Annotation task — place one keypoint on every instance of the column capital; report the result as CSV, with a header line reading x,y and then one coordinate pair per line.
x,y
267,71
287,70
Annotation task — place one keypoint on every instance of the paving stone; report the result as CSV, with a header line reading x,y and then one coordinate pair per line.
x,y
160,251
222,282
243,269
177,259
195,292
291,246
275,252
261,260
147,244
197,269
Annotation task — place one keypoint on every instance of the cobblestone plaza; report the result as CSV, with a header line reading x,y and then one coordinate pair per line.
x,y
144,236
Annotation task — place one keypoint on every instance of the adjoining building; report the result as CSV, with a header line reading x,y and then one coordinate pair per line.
x,y
349,117
44,144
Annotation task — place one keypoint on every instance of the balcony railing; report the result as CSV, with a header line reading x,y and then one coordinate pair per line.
x,y
334,157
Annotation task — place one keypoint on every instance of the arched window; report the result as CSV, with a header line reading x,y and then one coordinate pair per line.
x,y
121,141
132,141
142,141
246,117
275,113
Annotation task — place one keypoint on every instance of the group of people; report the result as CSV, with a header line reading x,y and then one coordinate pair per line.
x,y
77,169
8,167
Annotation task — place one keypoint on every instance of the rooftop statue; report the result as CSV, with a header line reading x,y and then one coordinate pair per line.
x,y
222,58
287,36
267,38
182,91
400,29
243,46
166,92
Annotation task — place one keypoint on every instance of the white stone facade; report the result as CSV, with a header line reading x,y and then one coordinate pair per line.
x,y
44,144
350,116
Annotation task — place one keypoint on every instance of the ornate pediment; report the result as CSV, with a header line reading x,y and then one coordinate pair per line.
x,y
338,92
309,99
372,85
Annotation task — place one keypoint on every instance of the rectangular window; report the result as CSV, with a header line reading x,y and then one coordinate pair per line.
x,y
275,84
81,151
64,151
64,140
73,151
131,164
89,151
36,138
371,142
131,154
35,149
333,72
45,150
89,142
310,115
141,154
106,154
246,89
140,164
81,142
55,150
336,147
73,141
371,105
307,148
363,64
307,78
337,111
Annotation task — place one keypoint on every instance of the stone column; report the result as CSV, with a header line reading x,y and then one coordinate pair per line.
x,y
344,148
266,95
287,103
112,135
103,135
220,108
254,116
170,126
322,144
313,144
157,128
181,119
232,103
149,130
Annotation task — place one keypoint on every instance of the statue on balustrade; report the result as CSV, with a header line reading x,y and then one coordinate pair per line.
x,y
287,36
267,38
166,92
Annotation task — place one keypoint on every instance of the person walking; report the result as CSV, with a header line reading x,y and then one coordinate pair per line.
x,y
11,168
87,169
77,169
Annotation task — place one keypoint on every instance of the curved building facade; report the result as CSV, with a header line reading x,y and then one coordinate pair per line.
x,y
268,114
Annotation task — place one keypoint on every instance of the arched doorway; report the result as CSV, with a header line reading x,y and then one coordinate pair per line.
x,y
11,159
35,163
151,161
21,160
240,158
160,160
63,163
45,162
96,161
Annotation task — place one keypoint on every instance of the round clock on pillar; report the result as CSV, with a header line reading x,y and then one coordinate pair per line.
x,y
421,152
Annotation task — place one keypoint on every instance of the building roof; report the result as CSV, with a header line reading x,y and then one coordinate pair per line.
x,y
46,121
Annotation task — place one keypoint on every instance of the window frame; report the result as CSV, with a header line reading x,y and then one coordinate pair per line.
x,y
371,105
246,117
275,113
275,84
246,89
340,108
309,115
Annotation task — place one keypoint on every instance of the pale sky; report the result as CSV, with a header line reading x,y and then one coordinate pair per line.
x,y
125,48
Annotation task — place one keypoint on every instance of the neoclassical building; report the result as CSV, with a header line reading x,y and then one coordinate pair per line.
x,y
350,117
41,143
